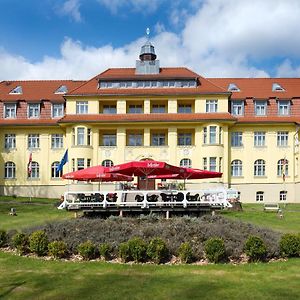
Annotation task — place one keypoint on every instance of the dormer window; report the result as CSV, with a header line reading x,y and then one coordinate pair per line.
x,y
232,87
61,90
33,110
276,87
16,91
283,107
10,110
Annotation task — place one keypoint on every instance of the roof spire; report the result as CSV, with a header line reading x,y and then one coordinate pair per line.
x,y
148,33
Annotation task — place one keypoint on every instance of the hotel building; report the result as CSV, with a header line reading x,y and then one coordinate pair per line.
x,y
246,128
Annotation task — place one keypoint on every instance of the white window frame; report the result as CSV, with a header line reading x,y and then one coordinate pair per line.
x,y
237,108
211,106
260,107
81,136
109,140
259,168
135,109
213,164
9,170
33,141
158,139
109,109
35,170
237,139
184,108
186,163
82,107
33,110
282,196
236,168
280,164
212,135
282,138
10,110
260,196
184,139
107,163
57,141
284,107
259,139
80,164
57,110
54,173
158,109
9,141
135,139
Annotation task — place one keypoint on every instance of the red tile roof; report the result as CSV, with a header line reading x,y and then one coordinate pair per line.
x,y
163,117
260,88
91,86
28,122
36,90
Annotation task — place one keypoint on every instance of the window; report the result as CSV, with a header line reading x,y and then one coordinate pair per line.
x,y
205,135
259,167
204,163
135,109
61,90
236,139
283,168
259,139
184,139
236,168
80,164
220,164
237,108
54,173
158,108
33,141
211,106
186,162
10,111
259,196
282,195
81,107
57,110
57,141
220,135
89,137
158,139
107,163
232,87
213,164
213,134
282,138
9,170
260,108
10,141
88,162
33,110
17,90
184,108
109,140
109,109
35,170
80,136
283,108
276,87
135,139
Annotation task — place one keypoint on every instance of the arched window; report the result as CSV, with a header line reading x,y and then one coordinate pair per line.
x,y
236,168
107,163
35,170
55,174
259,196
282,195
259,167
186,162
10,170
283,167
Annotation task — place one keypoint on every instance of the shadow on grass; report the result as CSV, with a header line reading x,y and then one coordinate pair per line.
x,y
10,288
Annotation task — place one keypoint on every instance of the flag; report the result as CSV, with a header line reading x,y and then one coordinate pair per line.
x,y
29,167
63,161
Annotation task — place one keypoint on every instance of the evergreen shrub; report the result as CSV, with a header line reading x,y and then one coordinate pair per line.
x,y
214,249
105,251
185,253
3,238
255,248
157,250
20,241
58,249
38,242
290,245
87,250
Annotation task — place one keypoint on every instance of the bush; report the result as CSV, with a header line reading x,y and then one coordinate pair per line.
x,y
185,253
38,243
87,250
290,245
105,250
214,249
58,249
157,250
137,249
255,248
20,241
124,252
3,238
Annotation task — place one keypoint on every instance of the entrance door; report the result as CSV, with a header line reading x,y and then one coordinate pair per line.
x,y
144,185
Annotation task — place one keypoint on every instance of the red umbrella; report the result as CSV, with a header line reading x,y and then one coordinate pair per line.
x,y
97,173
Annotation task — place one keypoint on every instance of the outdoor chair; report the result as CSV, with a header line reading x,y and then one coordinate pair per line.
x,y
139,198
179,197
98,197
112,197
152,198
81,197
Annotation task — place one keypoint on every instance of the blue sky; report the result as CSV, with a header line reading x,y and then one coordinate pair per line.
x,y
77,39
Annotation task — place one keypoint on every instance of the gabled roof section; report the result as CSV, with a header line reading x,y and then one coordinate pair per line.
x,y
36,90
261,88
204,86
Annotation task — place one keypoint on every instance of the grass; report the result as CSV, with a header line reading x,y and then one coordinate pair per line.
x,y
253,213
29,213
28,278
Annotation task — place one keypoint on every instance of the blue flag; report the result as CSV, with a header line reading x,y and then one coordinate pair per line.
x,y
63,161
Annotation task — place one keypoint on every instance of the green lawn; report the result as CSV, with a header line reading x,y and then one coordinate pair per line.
x,y
253,213
27,278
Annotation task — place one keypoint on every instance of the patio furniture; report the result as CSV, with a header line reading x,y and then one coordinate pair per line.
x,y
152,198
139,198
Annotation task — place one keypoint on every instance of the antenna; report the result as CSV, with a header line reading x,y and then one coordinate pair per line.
x,y
148,32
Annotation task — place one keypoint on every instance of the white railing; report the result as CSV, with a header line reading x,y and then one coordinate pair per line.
x,y
144,198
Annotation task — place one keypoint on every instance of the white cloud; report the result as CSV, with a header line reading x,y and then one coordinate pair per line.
x,y
71,8
224,38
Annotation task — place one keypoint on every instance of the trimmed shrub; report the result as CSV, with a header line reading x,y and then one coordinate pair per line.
x,y
105,250
157,250
20,241
290,245
137,249
58,249
255,248
38,242
87,250
124,252
3,238
185,253
214,249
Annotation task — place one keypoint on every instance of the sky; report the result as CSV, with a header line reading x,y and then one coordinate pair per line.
x,y
78,39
